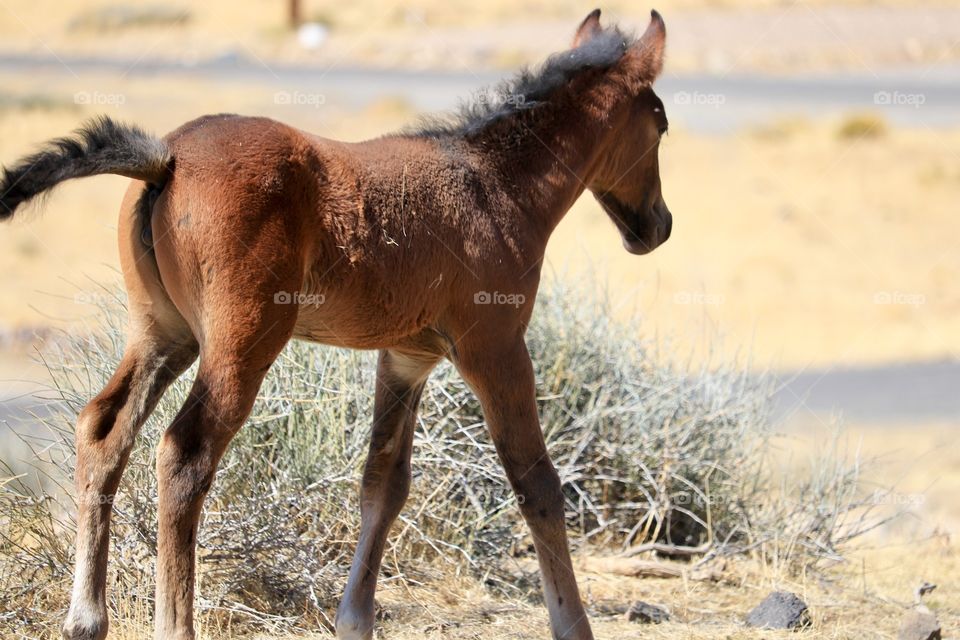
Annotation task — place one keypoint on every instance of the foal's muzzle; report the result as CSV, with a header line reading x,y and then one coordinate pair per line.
x,y
642,230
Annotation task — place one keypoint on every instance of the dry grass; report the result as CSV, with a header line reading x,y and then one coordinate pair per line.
x,y
647,453
79,23
865,602
862,126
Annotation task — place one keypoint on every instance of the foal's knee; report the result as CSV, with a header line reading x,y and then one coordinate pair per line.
x,y
98,418
186,462
538,490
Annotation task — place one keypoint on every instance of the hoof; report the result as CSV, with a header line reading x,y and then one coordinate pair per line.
x,y
90,628
350,627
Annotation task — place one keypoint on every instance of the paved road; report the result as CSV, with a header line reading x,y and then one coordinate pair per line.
x,y
890,394
702,102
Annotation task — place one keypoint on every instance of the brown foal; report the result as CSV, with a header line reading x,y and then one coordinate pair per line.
x,y
238,234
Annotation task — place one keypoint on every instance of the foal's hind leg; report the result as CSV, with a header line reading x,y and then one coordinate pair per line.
x,y
233,363
159,348
386,483
503,380
105,434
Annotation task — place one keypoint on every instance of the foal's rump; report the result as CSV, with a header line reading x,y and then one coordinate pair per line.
x,y
229,230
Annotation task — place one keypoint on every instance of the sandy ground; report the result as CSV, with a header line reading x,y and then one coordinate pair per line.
x,y
717,35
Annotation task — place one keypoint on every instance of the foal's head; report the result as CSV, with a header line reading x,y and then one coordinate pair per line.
x,y
626,178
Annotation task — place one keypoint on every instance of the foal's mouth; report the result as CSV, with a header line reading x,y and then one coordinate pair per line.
x,y
642,230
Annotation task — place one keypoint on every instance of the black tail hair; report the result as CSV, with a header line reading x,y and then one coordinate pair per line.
x,y
99,146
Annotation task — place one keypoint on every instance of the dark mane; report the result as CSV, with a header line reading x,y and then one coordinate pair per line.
x,y
528,88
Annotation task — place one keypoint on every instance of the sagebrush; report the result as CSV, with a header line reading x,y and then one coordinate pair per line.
x,y
648,451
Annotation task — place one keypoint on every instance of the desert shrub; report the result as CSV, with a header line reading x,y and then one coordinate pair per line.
x,y
648,451
862,126
113,18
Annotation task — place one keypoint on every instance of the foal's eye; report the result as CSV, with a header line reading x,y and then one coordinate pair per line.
x,y
662,129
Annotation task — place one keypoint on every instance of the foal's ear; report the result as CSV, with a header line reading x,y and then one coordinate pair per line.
x,y
647,51
588,28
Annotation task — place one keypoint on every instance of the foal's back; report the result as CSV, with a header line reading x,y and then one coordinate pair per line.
x,y
376,241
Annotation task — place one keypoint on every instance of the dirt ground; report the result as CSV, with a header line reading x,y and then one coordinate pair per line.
x,y
865,597
717,35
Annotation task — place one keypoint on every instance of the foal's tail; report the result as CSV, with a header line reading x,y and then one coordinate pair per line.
x,y
100,146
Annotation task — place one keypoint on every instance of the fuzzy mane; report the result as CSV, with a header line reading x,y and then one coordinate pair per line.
x,y
528,88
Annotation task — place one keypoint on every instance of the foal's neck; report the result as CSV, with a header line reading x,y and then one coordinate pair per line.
x,y
547,160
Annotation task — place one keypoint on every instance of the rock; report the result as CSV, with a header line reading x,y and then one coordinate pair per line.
x,y
646,613
780,610
919,624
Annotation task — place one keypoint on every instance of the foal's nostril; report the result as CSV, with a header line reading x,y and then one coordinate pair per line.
x,y
668,227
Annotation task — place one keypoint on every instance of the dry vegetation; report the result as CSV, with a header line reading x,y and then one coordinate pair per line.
x,y
648,454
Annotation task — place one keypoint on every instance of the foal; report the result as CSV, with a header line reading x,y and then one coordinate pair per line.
x,y
238,234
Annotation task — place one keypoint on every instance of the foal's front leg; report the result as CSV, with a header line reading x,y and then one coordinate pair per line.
x,y
503,379
386,483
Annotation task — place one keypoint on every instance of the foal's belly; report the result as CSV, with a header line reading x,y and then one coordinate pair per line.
x,y
357,324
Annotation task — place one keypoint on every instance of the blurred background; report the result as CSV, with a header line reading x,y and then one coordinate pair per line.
x,y
812,166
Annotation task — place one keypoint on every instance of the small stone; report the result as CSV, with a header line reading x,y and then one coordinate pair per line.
x,y
644,613
919,625
780,610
